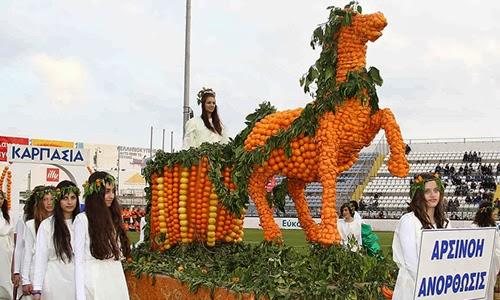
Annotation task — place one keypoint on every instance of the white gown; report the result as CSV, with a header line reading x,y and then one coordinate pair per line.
x,y
19,250
55,278
28,265
95,279
6,250
347,230
197,133
405,249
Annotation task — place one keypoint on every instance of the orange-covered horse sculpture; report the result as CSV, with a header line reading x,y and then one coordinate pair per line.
x,y
339,137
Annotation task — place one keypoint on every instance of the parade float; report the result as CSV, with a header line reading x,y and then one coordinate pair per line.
x,y
197,198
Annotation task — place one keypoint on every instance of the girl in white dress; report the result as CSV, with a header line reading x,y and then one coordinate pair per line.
x,y
349,227
54,277
486,216
100,243
426,212
207,127
28,211
6,249
43,210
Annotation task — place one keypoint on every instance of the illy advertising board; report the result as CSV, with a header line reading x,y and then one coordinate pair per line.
x,y
52,175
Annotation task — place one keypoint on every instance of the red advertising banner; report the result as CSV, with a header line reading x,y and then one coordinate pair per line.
x,y
4,140
52,175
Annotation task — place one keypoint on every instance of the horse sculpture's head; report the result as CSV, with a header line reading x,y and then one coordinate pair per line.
x,y
369,27
352,42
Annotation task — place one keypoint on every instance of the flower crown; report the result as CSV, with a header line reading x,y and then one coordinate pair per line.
x,y
419,184
204,91
41,193
488,208
60,192
97,185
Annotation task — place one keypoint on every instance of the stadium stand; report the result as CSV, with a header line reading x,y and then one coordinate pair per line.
x,y
467,183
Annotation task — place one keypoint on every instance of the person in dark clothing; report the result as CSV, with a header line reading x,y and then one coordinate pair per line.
x,y
456,204
407,149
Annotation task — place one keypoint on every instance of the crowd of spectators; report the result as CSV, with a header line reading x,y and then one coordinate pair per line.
x,y
371,205
472,157
475,183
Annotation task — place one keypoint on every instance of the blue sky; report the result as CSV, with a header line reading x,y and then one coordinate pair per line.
x,y
105,71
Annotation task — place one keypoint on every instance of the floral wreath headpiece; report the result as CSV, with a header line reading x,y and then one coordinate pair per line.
x,y
45,191
204,91
488,208
66,190
97,185
419,184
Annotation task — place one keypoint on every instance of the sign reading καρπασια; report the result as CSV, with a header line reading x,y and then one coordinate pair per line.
x,y
47,155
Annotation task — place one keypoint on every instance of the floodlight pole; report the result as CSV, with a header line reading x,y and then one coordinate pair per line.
x,y
187,56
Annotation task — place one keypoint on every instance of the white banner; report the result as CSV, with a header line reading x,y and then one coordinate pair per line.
x,y
283,223
47,155
454,263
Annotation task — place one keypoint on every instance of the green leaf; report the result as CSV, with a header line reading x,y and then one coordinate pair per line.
x,y
374,74
314,73
347,19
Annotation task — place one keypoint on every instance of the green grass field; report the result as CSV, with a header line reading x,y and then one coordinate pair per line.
x,y
294,238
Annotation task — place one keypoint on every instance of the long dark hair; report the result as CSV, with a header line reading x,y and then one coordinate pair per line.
x,y
418,206
40,213
217,125
106,231
5,208
62,236
483,215
29,206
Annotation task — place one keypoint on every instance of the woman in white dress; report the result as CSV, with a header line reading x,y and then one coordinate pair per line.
x,y
349,227
28,211
100,243
43,210
207,127
426,212
54,277
486,216
6,249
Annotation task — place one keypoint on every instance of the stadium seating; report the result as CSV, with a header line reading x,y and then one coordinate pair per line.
x,y
393,193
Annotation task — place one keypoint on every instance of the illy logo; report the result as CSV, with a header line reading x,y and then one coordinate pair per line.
x,y
52,175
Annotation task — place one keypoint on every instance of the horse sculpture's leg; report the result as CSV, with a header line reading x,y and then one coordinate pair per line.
x,y
328,168
296,190
398,165
256,188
